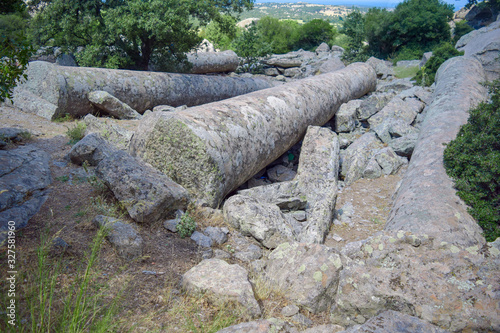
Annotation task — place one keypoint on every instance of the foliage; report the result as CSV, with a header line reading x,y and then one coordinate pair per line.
x,y
186,225
314,33
461,28
425,76
133,34
408,53
473,160
15,50
405,72
250,45
221,32
494,4
279,35
354,28
376,31
76,133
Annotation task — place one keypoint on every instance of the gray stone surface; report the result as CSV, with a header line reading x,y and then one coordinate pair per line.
x,y
372,169
271,325
306,273
60,90
389,161
213,62
201,239
234,139
383,68
330,65
391,128
373,104
216,234
357,156
404,145
397,85
290,310
328,328
66,60
345,118
24,180
394,322
322,48
280,173
251,253
221,281
426,201
91,149
396,108
408,63
425,58
147,194
484,46
111,105
124,238
116,135
450,286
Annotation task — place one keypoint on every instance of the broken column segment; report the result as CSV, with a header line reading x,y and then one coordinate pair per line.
x,y
213,62
51,91
214,148
426,202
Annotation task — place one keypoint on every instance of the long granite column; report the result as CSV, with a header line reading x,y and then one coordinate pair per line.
x,y
51,90
426,202
212,149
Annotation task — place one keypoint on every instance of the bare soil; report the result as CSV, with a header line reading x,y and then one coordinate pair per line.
x,y
146,298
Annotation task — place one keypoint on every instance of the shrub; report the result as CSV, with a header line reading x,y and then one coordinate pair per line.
x,y
473,161
425,76
186,225
76,133
461,28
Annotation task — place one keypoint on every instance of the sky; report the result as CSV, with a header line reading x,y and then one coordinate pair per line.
x,y
372,3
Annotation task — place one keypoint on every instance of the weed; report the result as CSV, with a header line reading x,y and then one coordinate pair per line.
x,y
25,136
63,118
186,225
76,133
67,207
63,179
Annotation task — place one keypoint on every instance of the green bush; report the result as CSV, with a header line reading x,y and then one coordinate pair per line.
x,y
461,28
186,225
473,160
425,76
76,133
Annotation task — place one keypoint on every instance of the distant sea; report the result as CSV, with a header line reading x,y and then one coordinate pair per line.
x,y
366,3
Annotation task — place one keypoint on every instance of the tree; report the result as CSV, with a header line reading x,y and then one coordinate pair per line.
x,y
354,29
425,76
221,32
129,34
280,35
250,45
15,50
314,33
376,31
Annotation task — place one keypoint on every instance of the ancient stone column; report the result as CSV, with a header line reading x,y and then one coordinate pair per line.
x,y
426,202
213,62
212,149
52,90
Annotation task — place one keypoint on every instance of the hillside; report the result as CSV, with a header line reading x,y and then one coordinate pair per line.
x,y
302,12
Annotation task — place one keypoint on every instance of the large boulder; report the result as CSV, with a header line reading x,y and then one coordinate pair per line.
x,y
483,45
373,104
307,274
426,201
383,68
221,282
24,180
147,194
357,155
92,149
450,286
396,108
118,136
345,118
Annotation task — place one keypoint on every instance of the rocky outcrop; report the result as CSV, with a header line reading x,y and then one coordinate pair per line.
x,y
219,280
126,241
484,46
24,180
213,62
426,202
214,148
147,194
307,272
447,285
114,134
51,91
92,149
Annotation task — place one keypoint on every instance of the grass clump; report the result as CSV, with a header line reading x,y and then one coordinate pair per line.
x,y
404,72
76,133
473,161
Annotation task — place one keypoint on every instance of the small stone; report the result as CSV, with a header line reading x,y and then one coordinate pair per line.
x,y
207,254
337,238
253,252
302,320
201,240
59,244
171,225
290,310
280,173
220,254
216,234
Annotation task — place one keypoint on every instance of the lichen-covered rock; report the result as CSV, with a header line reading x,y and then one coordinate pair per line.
x,y
396,108
330,65
221,281
280,173
213,62
404,146
322,48
391,128
394,322
447,285
111,105
357,155
389,161
116,135
372,169
484,46
397,85
24,180
328,328
271,325
147,194
373,104
345,118
91,149
124,238
212,149
383,68
286,195
426,201
63,90
292,72
307,274
201,239
261,220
